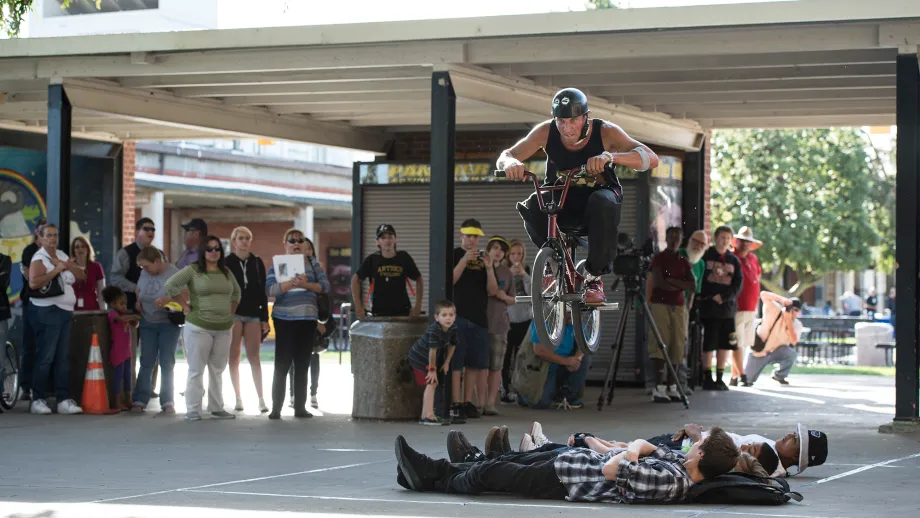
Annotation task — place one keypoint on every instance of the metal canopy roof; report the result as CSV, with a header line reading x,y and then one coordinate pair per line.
x,y
665,75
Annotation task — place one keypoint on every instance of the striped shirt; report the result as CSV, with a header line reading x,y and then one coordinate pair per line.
x,y
434,338
211,295
296,304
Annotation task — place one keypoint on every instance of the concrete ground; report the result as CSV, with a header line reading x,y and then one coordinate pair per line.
x,y
146,466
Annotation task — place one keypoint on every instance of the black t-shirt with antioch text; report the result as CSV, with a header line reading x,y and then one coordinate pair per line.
x,y
388,278
470,294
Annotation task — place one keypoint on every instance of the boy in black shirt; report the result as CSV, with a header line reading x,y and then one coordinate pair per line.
x,y
718,305
423,357
388,270
474,281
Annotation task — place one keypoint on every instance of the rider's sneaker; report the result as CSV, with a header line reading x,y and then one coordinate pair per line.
x,y
594,291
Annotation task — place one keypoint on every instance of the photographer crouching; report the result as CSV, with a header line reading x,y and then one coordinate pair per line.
x,y
672,275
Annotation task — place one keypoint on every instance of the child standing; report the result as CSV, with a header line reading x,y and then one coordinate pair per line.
x,y
423,357
120,350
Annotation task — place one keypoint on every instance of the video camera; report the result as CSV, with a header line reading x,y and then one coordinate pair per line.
x,y
632,261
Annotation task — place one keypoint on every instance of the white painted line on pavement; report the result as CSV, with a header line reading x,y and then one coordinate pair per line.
x,y
401,501
270,477
864,468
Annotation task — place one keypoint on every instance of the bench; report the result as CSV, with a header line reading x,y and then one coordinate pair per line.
x,y
889,352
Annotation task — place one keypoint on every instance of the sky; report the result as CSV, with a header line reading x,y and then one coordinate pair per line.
x,y
239,13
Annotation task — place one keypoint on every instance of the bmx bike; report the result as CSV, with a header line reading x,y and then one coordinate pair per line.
x,y
557,284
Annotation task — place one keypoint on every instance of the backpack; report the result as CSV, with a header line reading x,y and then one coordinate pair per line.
x,y
742,489
530,371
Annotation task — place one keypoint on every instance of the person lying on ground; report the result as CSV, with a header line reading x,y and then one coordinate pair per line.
x,y
497,445
640,473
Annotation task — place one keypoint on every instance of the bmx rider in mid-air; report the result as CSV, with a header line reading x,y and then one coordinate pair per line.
x,y
571,140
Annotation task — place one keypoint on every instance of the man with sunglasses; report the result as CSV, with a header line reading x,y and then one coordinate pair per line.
x,y
125,271
780,330
195,231
571,140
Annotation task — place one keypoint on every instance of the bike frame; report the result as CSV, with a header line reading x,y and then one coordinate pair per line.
x,y
552,232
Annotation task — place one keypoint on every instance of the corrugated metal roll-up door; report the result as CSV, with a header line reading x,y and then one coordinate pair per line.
x,y
406,207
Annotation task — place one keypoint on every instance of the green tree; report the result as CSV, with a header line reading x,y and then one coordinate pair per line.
x,y
807,193
12,13
601,4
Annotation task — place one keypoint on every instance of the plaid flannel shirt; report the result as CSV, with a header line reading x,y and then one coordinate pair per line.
x,y
658,478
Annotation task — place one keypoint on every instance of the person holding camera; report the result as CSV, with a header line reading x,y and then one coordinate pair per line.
x,y
777,335
671,276
474,281
718,305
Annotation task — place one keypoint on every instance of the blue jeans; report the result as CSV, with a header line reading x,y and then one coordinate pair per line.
x,y
560,381
158,341
52,337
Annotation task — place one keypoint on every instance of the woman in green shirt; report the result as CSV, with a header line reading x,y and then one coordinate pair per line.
x,y
214,295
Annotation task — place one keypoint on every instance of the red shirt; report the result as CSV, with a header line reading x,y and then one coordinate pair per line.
x,y
674,266
86,290
750,285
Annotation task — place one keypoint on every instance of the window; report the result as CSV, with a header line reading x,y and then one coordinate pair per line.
x,y
54,8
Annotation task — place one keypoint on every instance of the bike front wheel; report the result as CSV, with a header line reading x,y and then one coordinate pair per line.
x,y
9,375
547,285
586,320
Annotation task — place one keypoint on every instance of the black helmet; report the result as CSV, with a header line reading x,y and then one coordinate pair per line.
x,y
569,103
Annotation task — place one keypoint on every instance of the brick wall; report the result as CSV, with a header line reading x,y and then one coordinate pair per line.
x,y
127,197
469,145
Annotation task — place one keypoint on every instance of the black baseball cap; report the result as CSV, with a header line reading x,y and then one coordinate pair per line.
x,y
196,224
812,447
385,228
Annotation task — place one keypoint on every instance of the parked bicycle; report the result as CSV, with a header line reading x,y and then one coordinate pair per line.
x,y
9,376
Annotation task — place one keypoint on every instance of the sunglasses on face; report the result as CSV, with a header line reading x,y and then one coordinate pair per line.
x,y
212,249
293,241
149,229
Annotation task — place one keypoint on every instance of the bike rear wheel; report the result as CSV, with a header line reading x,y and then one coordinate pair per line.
x,y
9,375
586,320
547,285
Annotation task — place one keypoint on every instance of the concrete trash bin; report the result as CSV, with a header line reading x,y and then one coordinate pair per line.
x,y
868,334
384,386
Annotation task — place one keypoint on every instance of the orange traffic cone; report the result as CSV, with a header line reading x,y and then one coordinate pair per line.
x,y
95,395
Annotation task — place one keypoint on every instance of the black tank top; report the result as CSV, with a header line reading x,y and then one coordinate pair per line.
x,y
560,159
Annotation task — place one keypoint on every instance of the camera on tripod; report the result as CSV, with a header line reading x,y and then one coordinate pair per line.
x,y
632,261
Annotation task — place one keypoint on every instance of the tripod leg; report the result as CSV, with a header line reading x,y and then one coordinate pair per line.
x,y
610,379
664,349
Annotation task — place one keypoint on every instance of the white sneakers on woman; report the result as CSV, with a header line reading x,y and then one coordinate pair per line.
x,y
66,407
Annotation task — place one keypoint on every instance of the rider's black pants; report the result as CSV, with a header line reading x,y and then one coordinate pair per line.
x,y
596,210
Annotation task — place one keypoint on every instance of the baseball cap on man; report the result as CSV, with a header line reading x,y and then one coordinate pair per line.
x,y
385,228
812,447
196,224
471,227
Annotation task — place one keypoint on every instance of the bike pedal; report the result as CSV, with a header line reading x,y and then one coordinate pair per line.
x,y
523,299
607,306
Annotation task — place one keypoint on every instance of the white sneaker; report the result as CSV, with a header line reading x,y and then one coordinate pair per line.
x,y
527,443
69,407
39,406
660,395
673,394
313,402
536,433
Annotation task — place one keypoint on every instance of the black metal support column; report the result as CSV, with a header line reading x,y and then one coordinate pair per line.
x,y
908,238
57,195
692,202
441,244
643,202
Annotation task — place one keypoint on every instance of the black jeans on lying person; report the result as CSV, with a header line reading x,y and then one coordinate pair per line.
x,y
524,474
293,344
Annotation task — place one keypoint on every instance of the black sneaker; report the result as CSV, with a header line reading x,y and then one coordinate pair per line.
x,y
401,479
710,384
419,470
470,410
720,385
744,380
457,414
460,450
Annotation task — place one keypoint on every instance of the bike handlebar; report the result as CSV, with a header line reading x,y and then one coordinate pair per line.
x,y
583,173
